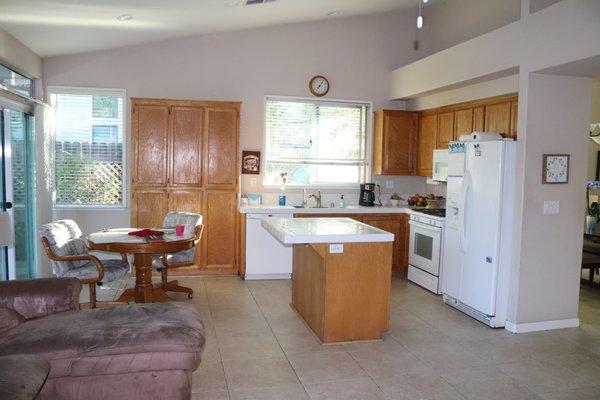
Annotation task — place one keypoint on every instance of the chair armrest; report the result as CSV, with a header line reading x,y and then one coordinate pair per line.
x,y
40,297
81,257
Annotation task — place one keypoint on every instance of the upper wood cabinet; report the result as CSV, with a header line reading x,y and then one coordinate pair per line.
x,y
395,142
221,168
426,144
478,119
187,125
445,129
463,122
514,112
497,118
150,146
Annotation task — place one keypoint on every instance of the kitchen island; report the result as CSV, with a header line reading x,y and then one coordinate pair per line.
x,y
341,275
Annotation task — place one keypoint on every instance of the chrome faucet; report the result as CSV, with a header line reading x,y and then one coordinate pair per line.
x,y
317,198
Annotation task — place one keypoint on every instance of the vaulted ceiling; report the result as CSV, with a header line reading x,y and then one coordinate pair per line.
x,y
56,27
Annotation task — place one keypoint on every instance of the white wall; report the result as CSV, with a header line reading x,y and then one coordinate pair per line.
x,y
19,57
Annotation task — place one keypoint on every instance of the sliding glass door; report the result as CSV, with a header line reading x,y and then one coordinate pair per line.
x,y
17,195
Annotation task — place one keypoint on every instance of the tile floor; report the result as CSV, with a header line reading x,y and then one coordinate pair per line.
x,y
258,349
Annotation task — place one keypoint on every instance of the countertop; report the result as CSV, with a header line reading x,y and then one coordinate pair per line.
x,y
272,209
323,230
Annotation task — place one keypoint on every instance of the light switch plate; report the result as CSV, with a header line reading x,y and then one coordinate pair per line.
x,y
551,207
252,182
336,248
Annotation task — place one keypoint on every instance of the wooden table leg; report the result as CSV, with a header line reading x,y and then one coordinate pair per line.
x,y
143,278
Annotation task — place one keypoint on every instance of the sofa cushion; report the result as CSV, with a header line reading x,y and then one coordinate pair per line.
x,y
9,319
133,338
22,377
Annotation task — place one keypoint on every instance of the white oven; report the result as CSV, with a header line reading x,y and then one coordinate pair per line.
x,y
424,254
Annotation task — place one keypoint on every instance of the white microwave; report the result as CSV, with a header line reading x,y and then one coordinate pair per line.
x,y
440,165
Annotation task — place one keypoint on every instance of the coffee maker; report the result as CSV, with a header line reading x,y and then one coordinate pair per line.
x,y
367,194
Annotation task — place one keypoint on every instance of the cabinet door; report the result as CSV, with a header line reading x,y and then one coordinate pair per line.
x,y
427,139
388,224
220,230
148,208
186,201
463,122
445,130
497,118
478,119
221,161
149,142
514,113
395,142
187,124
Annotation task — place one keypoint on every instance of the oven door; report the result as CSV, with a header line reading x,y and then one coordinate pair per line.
x,y
424,248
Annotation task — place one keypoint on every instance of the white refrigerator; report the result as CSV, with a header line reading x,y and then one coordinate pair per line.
x,y
479,226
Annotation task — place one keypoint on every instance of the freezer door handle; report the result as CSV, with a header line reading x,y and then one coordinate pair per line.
x,y
462,213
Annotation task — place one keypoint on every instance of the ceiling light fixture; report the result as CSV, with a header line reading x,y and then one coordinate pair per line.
x,y
420,17
425,1
125,17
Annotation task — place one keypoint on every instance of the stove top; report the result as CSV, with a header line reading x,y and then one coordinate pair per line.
x,y
436,212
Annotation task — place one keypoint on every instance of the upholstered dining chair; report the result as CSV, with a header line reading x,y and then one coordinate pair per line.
x,y
69,255
163,262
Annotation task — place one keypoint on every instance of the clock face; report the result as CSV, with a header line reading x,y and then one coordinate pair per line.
x,y
556,168
319,86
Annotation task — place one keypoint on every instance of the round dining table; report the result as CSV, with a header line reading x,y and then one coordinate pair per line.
x,y
143,250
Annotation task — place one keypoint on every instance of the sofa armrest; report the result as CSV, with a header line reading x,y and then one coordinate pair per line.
x,y
39,297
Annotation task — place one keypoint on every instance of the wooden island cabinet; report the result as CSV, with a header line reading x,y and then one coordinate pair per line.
x,y
185,158
403,141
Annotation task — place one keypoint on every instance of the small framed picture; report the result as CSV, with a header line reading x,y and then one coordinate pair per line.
x,y
250,162
555,168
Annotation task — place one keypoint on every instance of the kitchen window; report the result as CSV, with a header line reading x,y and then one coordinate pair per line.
x,y
88,147
317,142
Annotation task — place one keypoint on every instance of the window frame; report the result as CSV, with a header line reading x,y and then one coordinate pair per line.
x,y
366,170
125,174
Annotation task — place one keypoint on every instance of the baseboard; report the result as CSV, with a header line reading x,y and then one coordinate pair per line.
x,y
254,277
542,325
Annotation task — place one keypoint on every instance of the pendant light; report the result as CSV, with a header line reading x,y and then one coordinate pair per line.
x,y
420,17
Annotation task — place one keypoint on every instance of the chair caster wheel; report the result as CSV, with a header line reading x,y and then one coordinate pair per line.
x,y
190,296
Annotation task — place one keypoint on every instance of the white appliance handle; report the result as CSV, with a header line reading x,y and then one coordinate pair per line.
x,y
462,213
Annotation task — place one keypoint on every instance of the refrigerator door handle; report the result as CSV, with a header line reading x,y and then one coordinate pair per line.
x,y
462,211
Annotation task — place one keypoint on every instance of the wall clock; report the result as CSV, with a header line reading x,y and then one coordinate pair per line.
x,y
318,86
555,168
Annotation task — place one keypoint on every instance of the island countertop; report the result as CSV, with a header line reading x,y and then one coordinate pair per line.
x,y
323,230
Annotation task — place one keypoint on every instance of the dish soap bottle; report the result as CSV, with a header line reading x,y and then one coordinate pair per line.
x,y
342,202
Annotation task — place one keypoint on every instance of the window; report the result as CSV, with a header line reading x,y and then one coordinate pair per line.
x,y
316,142
15,81
105,134
88,147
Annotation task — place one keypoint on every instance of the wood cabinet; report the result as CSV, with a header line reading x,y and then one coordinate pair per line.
x,y
514,112
497,118
426,144
185,158
478,118
393,223
395,142
445,129
463,122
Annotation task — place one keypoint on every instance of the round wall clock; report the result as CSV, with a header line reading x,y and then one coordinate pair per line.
x,y
319,86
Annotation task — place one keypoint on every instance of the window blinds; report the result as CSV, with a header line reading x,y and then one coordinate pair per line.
x,y
304,133
88,148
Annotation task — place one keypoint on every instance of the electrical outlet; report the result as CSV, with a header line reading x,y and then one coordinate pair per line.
x,y
551,207
253,182
336,248
389,184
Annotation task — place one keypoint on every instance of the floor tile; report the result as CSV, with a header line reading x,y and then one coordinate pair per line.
x,y
209,377
355,389
214,395
258,373
587,393
303,343
385,359
321,367
239,347
418,385
288,392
